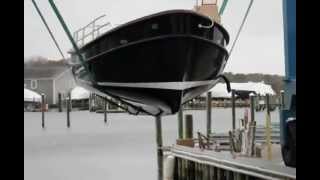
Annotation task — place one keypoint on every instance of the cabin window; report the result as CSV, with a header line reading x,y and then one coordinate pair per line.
x,y
34,84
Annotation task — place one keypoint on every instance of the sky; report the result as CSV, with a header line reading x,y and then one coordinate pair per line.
x,y
259,49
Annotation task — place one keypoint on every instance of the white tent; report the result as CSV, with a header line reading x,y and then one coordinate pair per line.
x,y
79,93
31,96
220,89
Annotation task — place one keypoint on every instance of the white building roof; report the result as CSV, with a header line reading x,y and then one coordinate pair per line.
x,y
79,93
220,89
31,96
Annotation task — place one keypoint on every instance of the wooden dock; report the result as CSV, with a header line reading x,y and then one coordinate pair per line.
x,y
196,164
260,136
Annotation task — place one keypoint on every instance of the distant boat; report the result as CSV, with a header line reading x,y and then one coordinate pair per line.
x,y
156,63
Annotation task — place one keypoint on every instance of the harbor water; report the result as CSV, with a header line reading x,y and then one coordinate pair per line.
x,y
124,148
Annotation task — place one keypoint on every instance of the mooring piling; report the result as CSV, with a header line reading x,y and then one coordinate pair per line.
x,y
105,111
209,108
252,125
159,147
68,109
43,104
282,99
180,123
59,102
189,126
233,102
268,128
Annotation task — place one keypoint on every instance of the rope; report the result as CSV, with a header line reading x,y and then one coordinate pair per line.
x,y
45,23
241,26
75,46
223,6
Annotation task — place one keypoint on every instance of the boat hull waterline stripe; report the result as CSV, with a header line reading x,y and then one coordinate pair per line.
x,y
159,85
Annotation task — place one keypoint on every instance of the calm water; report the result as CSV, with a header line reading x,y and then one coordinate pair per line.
x,y
124,148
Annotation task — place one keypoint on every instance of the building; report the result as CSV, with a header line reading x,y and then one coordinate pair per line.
x,y
50,80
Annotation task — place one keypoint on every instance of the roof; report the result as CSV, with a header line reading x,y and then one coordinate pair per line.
x,y
220,89
31,96
43,72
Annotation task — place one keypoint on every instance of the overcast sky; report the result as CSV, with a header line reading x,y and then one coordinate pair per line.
x,y
259,48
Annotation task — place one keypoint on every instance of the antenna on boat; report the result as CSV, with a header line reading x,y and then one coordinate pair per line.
x,y
75,46
50,32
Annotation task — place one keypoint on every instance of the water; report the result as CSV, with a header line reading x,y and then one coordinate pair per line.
x,y
123,149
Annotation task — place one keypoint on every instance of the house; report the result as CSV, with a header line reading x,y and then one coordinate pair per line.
x,y
50,80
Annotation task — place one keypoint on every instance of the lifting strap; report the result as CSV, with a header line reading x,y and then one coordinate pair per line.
x,y
241,26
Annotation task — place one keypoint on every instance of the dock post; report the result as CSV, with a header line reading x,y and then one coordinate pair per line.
x,y
233,99
180,123
90,97
188,167
282,99
252,125
268,128
189,126
68,109
43,104
209,104
159,147
105,111
59,102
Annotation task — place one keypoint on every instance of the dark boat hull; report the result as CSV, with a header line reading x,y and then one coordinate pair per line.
x,y
155,75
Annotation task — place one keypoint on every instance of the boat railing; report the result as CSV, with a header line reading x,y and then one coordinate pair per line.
x,y
92,30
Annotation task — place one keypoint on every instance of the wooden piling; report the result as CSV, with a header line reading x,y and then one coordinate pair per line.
x,y
68,109
159,147
252,105
268,128
233,99
252,126
209,108
59,102
189,126
282,99
105,111
90,101
180,123
43,104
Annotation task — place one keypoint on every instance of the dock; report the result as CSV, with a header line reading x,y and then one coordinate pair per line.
x,y
192,163
249,152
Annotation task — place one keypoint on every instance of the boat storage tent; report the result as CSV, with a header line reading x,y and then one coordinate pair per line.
x,y
31,96
79,93
220,89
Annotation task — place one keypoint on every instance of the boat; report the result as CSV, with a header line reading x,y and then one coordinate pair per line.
x,y
156,63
